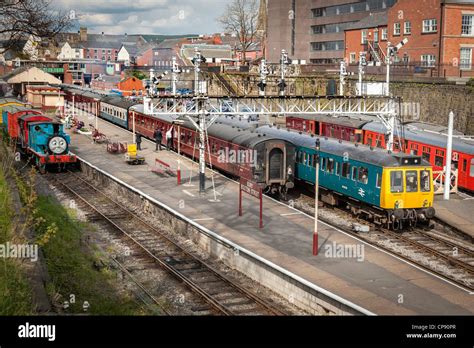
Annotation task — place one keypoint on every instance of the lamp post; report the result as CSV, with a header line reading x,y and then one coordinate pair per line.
x,y
316,201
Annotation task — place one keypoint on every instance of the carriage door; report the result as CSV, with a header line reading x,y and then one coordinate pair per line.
x,y
316,128
275,164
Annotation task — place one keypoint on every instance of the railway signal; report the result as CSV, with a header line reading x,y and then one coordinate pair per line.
x,y
284,62
263,77
197,60
362,64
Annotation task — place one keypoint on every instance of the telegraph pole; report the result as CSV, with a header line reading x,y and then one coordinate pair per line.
x,y
151,83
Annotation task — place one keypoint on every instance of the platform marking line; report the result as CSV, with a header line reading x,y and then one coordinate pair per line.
x,y
203,219
188,193
289,214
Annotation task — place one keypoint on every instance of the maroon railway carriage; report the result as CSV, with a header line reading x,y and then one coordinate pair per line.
x,y
268,161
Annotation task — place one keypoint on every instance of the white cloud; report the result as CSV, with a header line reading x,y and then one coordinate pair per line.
x,y
147,16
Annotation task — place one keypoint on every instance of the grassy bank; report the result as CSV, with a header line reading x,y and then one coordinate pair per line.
x,y
15,293
72,264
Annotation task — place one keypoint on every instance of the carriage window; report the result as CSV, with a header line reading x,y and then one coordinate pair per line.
x,y
426,153
363,175
396,181
412,181
331,165
414,149
378,183
425,181
439,157
346,170
472,167
338,169
314,161
298,157
464,165
324,161
378,142
354,173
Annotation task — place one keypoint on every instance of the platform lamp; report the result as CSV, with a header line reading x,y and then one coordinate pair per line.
x,y
316,202
96,112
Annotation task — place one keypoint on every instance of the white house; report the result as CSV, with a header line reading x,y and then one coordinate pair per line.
x,y
69,52
127,54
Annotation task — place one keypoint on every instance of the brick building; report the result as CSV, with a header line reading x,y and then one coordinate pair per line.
x,y
368,35
312,31
440,36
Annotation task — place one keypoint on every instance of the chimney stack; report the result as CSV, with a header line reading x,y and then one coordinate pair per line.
x,y
83,34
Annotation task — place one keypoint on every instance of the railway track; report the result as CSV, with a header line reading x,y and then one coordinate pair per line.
x,y
219,294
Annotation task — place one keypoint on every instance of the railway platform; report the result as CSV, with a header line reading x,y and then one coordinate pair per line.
x,y
457,212
374,280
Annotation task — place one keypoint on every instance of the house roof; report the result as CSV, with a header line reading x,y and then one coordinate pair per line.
x,y
170,43
208,51
373,20
110,41
131,49
30,74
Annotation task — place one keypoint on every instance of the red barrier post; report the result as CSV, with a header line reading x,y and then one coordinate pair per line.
x,y
178,173
240,198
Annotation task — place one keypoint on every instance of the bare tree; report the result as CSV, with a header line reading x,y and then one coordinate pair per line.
x,y
21,18
241,17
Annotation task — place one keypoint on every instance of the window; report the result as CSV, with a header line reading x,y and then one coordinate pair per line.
x,y
103,51
384,34
331,166
378,182
363,175
323,164
376,35
318,12
352,58
426,154
318,29
338,169
396,29
465,62
109,51
425,181
407,28
354,173
327,46
396,181
412,180
439,158
364,36
346,170
472,168
428,60
430,26
467,25
414,149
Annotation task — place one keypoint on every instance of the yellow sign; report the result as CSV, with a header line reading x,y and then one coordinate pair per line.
x,y
132,149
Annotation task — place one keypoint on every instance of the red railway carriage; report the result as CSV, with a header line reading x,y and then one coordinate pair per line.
x,y
13,114
347,128
428,141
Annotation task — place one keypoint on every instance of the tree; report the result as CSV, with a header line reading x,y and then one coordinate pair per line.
x,y
241,17
20,19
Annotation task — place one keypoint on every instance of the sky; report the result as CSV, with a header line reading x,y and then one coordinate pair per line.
x,y
146,16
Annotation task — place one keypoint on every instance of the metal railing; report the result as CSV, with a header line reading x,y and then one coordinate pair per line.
x,y
439,179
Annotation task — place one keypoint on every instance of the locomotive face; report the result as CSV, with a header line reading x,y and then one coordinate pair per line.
x,y
57,145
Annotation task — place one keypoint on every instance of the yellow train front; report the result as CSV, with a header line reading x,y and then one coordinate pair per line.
x,y
407,192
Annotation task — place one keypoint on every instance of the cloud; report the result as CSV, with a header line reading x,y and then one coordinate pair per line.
x,y
146,16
